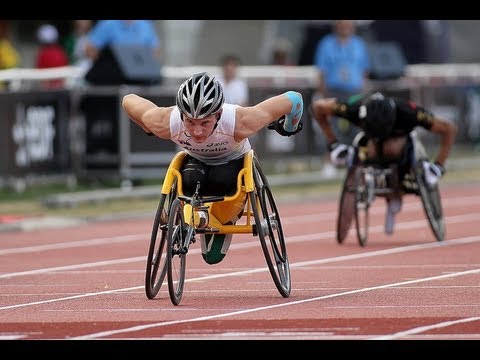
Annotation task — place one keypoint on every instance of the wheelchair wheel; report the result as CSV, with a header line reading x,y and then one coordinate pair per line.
x,y
176,254
346,206
270,231
431,201
362,205
157,257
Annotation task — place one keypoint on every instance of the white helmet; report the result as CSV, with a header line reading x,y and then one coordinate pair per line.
x,y
200,96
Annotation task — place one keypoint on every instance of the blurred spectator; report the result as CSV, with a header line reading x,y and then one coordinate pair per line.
x,y
9,57
75,44
235,88
50,53
343,62
127,32
282,52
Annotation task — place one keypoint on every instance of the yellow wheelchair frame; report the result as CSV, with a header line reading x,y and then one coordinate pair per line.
x,y
250,210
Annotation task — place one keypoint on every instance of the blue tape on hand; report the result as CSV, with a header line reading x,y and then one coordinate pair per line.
x,y
293,118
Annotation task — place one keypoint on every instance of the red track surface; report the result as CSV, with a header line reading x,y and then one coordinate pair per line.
x,y
87,282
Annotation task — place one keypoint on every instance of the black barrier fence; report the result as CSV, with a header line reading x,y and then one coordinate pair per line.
x,y
34,133
37,137
114,145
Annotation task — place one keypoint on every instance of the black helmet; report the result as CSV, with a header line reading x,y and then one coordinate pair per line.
x,y
200,96
379,114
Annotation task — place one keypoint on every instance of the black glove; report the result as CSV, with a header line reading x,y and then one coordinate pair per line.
x,y
278,127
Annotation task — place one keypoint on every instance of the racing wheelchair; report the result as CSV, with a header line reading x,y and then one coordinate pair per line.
x,y
180,218
366,179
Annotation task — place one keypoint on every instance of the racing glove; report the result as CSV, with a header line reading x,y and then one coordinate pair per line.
x,y
433,172
340,154
278,127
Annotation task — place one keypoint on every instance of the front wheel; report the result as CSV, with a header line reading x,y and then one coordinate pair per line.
x,y
362,204
346,207
156,267
176,252
270,231
431,201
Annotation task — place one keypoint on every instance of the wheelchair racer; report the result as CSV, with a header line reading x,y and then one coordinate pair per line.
x,y
386,123
214,135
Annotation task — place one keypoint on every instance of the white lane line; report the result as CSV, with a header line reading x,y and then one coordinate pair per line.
x,y
295,219
293,239
421,329
74,244
379,207
445,243
262,308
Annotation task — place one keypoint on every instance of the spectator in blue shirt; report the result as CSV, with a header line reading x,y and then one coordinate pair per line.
x,y
125,32
343,62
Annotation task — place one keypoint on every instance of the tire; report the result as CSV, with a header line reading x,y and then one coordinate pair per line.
x,y
346,206
362,205
269,230
176,255
431,201
156,266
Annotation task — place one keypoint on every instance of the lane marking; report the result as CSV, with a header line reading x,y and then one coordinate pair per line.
x,y
446,243
269,307
295,219
293,239
421,329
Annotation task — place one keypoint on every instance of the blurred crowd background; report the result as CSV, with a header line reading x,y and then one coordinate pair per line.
x,y
194,42
68,123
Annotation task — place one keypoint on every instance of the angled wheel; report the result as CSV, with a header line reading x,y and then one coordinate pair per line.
x,y
431,201
346,208
157,257
270,231
362,205
176,252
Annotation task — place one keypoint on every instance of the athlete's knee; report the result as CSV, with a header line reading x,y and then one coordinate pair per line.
x,y
193,171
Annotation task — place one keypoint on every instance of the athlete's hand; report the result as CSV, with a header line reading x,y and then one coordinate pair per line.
x,y
340,154
278,127
433,172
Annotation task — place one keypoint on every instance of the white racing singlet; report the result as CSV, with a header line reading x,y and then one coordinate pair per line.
x,y
220,147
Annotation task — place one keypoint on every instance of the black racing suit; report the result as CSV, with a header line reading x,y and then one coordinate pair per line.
x,y
409,115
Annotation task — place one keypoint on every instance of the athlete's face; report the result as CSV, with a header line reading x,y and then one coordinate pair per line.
x,y
200,129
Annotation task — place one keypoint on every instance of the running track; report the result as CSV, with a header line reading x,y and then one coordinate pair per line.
x,y
87,282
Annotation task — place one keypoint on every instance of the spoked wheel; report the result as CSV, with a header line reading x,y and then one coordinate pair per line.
x,y
362,204
432,203
157,257
270,231
346,207
176,253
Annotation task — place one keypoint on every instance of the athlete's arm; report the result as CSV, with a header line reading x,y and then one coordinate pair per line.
x,y
447,131
250,120
150,117
322,110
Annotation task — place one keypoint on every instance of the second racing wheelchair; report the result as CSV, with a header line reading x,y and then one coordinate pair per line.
x,y
367,179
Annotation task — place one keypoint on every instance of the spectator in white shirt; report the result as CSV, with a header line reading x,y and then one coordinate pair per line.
x,y
235,88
